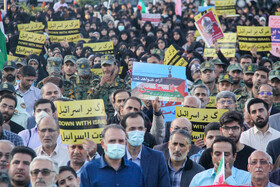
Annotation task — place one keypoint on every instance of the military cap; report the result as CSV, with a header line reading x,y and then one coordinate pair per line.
x,y
70,58
207,66
83,66
7,87
10,64
250,68
217,62
108,59
54,65
274,74
20,61
234,67
276,65
225,77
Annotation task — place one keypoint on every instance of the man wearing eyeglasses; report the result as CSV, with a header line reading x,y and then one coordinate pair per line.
x,y
260,165
226,100
265,92
43,171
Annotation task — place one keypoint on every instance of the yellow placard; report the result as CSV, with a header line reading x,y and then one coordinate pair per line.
x,y
212,102
81,119
101,47
32,26
32,37
27,50
225,7
68,38
63,25
169,54
99,72
11,58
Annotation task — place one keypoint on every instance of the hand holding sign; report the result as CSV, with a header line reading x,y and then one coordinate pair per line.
x,y
90,147
156,104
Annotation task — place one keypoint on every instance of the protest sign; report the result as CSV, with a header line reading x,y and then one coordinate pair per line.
x,y
259,37
31,27
171,57
274,24
81,119
29,43
226,44
199,118
99,72
11,58
153,18
168,110
101,47
225,7
156,80
209,28
64,30
212,102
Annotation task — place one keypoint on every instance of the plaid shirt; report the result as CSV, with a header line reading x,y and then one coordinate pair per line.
x,y
14,138
175,176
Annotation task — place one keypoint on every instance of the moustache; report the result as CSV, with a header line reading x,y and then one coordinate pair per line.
x,y
177,153
258,169
40,181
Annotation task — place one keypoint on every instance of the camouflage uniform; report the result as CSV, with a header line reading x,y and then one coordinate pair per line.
x,y
236,67
209,66
104,92
275,74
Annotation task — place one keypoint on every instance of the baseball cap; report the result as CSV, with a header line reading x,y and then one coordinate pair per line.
x,y
225,77
71,58
10,64
7,87
250,68
276,65
54,65
83,66
217,62
207,66
20,61
274,74
108,59
234,67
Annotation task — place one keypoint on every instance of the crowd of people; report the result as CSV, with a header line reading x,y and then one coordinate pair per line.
x,y
139,147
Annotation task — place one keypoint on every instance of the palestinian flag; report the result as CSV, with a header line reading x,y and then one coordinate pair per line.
x,y
220,174
3,49
141,6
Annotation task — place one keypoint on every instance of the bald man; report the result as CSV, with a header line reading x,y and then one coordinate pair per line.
x,y
176,124
191,102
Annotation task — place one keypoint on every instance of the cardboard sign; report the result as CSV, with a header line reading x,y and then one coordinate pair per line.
x,y
64,30
31,27
101,47
225,7
171,57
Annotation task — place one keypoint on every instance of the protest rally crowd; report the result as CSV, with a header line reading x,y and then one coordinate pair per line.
x,y
88,59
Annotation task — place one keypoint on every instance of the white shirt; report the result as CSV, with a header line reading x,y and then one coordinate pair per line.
x,y
258,140
60,154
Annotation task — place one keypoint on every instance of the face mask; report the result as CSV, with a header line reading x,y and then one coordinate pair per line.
x,y
121,28
115,151
136,138
10,78
40,116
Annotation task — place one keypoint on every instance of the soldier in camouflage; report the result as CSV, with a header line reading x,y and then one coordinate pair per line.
x,y
225,83
274,78
69,75
108,83
208,77
235,71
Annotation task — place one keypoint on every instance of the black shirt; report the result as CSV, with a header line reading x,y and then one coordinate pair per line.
x,y
15,128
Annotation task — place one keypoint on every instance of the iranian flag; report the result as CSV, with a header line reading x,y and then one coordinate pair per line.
x,y
220,174
3,49
141,6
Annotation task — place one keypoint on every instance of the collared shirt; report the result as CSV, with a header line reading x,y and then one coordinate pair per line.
x,y
14,138
175,176
99,173
204,178
137,160
269,184
258,140
59,154
196,157
29,97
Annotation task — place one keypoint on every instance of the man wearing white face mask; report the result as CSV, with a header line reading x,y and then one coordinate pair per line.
x,y
151,162
112,169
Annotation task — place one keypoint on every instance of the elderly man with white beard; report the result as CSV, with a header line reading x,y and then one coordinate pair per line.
x,y
181,168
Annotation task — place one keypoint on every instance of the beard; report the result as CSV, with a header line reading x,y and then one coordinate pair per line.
x,y
6,116
10,78
236,81
249,84
261,124
179,158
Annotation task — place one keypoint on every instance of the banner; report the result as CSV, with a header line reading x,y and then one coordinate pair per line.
x,y
101,47
274,24
81,119
11,58
225,7
29,43
211,103
31,27
168,110
226,44
200,118
169,84
153,18
64,30
99,72
171,57
259,37
209,28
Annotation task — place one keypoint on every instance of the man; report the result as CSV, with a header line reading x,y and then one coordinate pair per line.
x,y
181,168
226,100
5,151
48,131
260,165
246,60
151,162
202,92
225,83
176,124
273,149
108,83
233,176
261,134
112,169
42,107
274,79
69,67
191,102
153,59
208,77
67,177
235,71
231,127
25,88
219,67
8,104
260,77
266,93
21,158
43,171
118,98
9,72
50,91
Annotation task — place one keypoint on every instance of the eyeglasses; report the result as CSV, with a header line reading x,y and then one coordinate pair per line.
x,y
224,102
226,128
45,172
265,93
262,162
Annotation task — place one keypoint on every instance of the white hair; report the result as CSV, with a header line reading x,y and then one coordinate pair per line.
x,y
49,83
8,142
54,163
196,98
266,154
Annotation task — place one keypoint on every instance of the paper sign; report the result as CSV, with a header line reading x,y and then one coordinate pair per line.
x,y
153,18
101,47
171,57
274,24
64,30
31,27
225,7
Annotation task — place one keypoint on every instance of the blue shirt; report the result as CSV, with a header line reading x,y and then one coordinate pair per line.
x,y
12,137
238,177
175,176
98,173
